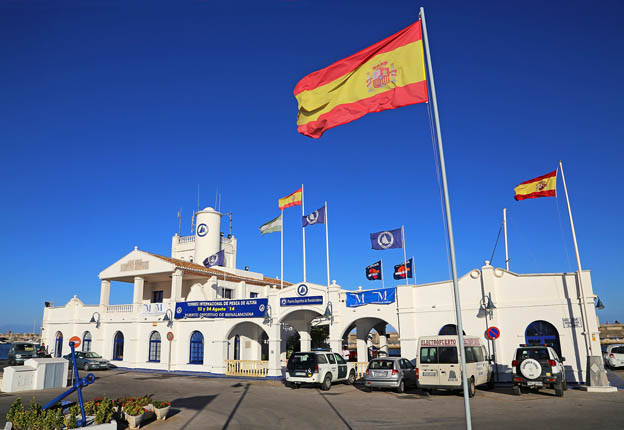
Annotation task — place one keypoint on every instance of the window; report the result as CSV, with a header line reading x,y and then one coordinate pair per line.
x,y
406,364
86,341
618,350
58,347
381,364
447,355
540,333
478,353
157,296
429,355
118,346
449,329
339,359
197,348
535,353
225,293
470,358
253,295
331,358
322,359
154,347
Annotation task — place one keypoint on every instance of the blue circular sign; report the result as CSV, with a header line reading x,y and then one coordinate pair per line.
x,y
202,230
493,333
302,289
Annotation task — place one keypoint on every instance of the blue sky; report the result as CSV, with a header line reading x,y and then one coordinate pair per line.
x,y
112,114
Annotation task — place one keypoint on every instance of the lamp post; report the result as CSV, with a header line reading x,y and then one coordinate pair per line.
x,y
95,318
268,317
168,317
487,305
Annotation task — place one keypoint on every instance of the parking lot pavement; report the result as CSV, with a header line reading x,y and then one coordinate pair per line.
x,y
225,403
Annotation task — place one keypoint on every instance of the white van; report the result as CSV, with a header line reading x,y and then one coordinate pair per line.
x,y
438,365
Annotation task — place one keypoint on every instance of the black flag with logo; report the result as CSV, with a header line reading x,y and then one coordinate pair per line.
x,y
399,270
373,272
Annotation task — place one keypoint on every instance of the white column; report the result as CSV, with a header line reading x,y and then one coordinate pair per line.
x,y
305,340
362,331
383,342
104,292
176,285
275,365
138,290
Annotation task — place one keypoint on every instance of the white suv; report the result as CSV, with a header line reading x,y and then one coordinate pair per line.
x,y
318,367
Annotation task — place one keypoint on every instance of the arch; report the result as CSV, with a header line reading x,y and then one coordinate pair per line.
x,y
86,341
367,344
244,341
154,347
449,330
58,345
542,332
118,346
196,352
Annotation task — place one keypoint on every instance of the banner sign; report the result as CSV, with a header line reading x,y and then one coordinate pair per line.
x,y
571,322
383,296
152,309
248,308
299,301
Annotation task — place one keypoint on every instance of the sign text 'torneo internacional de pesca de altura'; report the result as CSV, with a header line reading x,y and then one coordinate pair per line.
x,y
247,308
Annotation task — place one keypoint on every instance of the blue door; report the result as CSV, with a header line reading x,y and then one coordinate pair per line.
x,y
543,333
58,348
118,346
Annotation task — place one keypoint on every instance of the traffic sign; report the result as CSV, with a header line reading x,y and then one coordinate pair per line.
x,y
76,341
493,333
170,336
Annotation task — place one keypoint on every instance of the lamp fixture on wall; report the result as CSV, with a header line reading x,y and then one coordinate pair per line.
x,y
168,317
95,318
487,305
268,317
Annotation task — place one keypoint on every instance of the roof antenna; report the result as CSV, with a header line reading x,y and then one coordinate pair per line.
x,y
219,203
216,197
180,222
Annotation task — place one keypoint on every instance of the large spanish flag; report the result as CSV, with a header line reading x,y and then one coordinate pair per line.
x,y
542,186
293,199
387,75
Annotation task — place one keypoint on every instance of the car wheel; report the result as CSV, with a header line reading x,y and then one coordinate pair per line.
x,y
401,387
559,390
471,387
326,384
11,362
564,385
351,379
516,390
85,367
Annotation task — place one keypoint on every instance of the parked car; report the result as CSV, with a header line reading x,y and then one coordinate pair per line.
x,y
318,367
537,367
88,361
21,351
390,372
614,356
437,363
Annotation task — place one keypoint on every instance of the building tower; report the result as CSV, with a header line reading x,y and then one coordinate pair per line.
x,y
207,234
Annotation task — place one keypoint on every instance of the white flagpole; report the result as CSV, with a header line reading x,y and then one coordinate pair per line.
x,y
282,252
383,285
414,269
584,313
449,223
327,244
404,257
303,232
506,249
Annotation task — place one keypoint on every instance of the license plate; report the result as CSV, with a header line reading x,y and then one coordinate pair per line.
x,y
534,384
300,373
430,373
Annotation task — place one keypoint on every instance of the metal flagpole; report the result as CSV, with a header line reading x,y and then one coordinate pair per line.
x,y
303,232
449,224
383,285
327,244
404,257
414,269
506,249
282,251
584,313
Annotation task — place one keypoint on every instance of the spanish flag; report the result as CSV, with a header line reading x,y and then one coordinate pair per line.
x,y
542,186
386,75
293,199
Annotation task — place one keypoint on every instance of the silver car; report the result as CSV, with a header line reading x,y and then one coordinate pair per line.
x,y
390,372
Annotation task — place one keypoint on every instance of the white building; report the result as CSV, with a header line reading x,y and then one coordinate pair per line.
x,y
229,321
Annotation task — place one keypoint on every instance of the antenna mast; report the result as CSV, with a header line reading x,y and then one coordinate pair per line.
x,y
180,222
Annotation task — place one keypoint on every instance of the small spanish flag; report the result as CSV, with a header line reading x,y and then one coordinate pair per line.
x,y
542,186
386,75
293,199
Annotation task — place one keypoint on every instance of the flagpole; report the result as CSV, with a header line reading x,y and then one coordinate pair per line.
x,y
383,285
404,257
327,244
282,252
506,249
449,224
414,269
303,232
584,313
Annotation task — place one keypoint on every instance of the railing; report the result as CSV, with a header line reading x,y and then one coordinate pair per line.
x,y
119,309
360,369
258,368
186,239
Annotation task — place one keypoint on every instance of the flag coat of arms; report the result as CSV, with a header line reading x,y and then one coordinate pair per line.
x,y
316,217
290,200
217,259
386,75
373,272
272,226
399,270
387,239
542,186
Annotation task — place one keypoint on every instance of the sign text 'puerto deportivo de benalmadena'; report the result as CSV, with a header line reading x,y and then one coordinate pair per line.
x,y
248,308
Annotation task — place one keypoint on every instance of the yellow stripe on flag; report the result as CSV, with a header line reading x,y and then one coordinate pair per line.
x,y
293,199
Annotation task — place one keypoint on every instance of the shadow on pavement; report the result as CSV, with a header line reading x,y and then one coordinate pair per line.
x,y
240,400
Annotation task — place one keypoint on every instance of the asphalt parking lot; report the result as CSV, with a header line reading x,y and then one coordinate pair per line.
x,y
226,403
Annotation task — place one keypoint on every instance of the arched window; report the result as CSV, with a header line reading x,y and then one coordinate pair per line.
x,y
58,346
86,342
118,346
197,348
450,329
543,333
154,347
237,347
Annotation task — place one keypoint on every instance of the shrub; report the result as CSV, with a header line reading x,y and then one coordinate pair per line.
x,y
133,409
144,401
159,405
104,411
89,408
16,412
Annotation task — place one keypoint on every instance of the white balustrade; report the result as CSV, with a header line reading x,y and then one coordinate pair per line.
x,y
258,368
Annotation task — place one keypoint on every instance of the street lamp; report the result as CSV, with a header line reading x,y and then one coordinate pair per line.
x,y
487,305
95,318
329,312
268,317
599,305
168,317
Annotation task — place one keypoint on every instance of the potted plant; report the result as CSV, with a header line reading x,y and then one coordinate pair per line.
x,y
134,414
146,403
161,409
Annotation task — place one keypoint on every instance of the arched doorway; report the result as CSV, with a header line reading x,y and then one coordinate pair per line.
x,y
196,354
118,346
86,341
244,348
58,346
449,330
370,337
154,347
543,333
302,330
